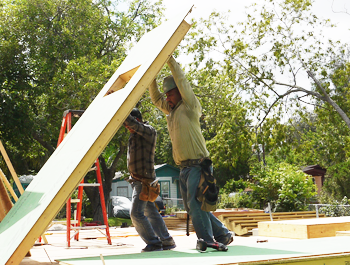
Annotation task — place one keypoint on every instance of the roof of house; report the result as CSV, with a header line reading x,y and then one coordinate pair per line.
x,y
314,170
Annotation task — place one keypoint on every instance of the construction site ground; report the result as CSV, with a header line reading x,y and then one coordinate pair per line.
x,y
92,248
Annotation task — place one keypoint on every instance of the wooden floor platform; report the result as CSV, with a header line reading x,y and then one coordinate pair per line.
x,y
126,247
322,251
305,228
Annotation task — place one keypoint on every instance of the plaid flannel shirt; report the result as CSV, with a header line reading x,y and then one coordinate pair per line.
x,y
141,148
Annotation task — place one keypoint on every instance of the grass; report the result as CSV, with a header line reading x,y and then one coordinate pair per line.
x,y
112,221
115,221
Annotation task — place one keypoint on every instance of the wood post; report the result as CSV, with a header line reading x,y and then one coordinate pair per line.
x,y
5,201
12,170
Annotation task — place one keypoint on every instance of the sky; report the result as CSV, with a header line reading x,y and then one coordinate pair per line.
x,y
335,10
332,9
338,11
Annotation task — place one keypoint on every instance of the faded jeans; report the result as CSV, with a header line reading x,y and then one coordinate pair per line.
x,y
148,222
206,225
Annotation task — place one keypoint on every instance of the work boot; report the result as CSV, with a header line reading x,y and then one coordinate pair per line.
x,y
221,247
168,244
227,240
152,247
202,245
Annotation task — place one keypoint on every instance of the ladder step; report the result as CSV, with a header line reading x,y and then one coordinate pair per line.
x,y
89,184
88,227
64,222
74,200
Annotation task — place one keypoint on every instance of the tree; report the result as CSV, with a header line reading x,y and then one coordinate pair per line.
x,y
286,187
57,55
281,64
270,55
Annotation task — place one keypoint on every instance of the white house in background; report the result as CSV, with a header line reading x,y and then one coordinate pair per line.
x,y
168,180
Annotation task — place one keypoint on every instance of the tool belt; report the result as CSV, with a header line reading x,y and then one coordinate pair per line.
x,y
150,188
207,191
191,162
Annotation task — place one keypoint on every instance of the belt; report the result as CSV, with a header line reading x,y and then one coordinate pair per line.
x,y
140,178
191,162
137,176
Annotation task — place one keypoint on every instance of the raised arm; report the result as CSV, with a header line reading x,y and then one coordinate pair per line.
x,y
158,98
145,130
187,94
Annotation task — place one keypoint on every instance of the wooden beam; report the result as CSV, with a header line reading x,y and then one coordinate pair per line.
x,y
5,201
12,170
8,185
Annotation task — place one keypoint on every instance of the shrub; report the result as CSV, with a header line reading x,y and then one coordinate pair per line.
x,y
239,200
336,207
285,186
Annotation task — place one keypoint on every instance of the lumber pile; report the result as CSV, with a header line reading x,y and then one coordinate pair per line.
x,y
179,222
305,228
235,210
243,223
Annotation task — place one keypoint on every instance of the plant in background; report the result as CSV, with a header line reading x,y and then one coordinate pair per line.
x,y
237,200
172,210
335,208
337,184
225,201
285,186
234,186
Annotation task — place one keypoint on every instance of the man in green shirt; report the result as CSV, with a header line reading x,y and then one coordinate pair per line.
x,y
183,110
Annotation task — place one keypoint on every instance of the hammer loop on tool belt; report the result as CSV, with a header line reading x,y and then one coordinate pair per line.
x,y
150,188
207,191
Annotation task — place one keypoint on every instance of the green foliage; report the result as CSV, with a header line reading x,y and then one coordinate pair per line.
x,y
113,221
285,186
238,200
57,55
234,186
172,210
337,183
335,208
262,60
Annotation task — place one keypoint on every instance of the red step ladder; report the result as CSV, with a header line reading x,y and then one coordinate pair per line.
x,y
75,224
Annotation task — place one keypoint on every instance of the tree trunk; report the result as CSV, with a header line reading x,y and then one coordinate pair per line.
x,y
107,178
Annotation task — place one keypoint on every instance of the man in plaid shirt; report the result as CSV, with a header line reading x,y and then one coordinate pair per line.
x,y
144,214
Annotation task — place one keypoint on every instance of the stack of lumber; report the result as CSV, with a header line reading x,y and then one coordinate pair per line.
x,y
236,210
179,222
243,223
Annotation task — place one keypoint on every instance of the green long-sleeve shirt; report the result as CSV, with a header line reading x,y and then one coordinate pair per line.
x,y
183,121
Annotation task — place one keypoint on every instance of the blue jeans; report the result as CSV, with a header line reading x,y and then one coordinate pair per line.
x,y
206,225
148,222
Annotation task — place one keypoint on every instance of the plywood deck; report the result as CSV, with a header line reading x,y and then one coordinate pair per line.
x,y
305,228
329,251
126,247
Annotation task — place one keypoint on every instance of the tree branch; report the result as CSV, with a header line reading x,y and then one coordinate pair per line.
x,y
329,100
45,144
